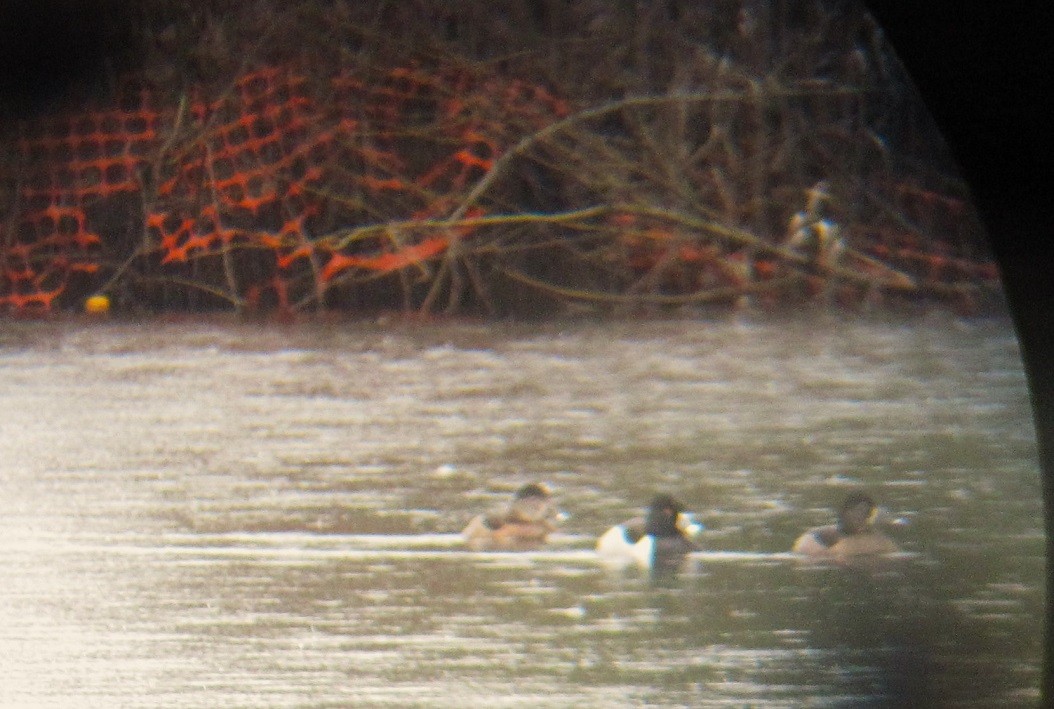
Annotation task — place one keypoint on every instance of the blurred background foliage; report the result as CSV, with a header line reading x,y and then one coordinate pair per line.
x,y
499,157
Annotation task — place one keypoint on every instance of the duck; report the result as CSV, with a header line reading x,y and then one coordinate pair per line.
x,y
526,523
658,541
853,537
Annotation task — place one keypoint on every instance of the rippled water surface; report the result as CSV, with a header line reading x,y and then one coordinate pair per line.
x,y
211,514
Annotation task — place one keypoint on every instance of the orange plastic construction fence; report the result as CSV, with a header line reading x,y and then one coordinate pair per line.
x,y
269,194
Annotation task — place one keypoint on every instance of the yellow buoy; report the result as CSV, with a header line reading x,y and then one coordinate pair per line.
x,y
97,304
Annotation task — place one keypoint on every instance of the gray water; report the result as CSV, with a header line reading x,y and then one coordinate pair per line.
x,y
211,514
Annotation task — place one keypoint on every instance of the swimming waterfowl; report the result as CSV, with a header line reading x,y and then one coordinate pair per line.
x,y
526,523
854,535
658,541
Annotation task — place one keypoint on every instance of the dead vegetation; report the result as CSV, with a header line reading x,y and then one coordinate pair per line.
x,y
499,157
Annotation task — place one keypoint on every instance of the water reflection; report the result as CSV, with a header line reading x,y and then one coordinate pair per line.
x,y
199,516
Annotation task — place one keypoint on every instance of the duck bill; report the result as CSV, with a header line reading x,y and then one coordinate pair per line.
x,y
688,525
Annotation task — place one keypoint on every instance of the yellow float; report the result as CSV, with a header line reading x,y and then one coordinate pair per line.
x,y
97,304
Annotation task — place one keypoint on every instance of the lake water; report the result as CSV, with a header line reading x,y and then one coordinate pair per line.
x,y
220,514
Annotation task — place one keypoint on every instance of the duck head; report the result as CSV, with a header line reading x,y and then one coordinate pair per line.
x,y
533,503
663,516
857,514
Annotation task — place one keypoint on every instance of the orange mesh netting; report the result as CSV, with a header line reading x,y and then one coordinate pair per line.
x,y
271,194
66,167
295,188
